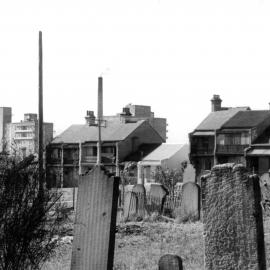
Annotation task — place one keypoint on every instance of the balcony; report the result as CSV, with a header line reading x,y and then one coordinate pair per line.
x,y
202,151
71,161
231,149
54,161
105,158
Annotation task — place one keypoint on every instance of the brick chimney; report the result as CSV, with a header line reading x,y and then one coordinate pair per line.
x,y
90,118
216,103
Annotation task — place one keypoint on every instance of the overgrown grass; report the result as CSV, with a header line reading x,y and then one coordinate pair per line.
x,y
139,245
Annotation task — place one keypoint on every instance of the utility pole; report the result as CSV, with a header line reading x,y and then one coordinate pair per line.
x,y
100,117
40,116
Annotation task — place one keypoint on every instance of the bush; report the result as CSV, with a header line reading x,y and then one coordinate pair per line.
x,y
28,216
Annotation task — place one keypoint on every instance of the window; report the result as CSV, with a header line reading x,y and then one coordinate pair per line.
x,y
90,151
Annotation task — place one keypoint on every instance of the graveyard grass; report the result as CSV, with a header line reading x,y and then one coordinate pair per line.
x,y
139,245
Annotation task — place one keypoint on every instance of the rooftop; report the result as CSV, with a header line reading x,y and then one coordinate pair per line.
x,y
114,131
247,119
215,120
165,151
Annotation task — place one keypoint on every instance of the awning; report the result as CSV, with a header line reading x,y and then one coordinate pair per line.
x,y
204,133
259,152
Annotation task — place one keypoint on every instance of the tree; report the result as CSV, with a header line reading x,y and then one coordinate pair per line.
x,y
169,177
29,216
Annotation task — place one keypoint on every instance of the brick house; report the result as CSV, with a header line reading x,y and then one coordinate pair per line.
x,y
74,152
225,134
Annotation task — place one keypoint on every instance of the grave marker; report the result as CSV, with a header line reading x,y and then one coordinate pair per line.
x,y
232,217
95,221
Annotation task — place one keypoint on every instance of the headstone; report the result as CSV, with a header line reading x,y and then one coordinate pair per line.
x,y
170,262
130,205
232,217
95,221
139,190
190,204
157,195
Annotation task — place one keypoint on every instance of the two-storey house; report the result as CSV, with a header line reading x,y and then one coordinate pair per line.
x,y
225,135
74,152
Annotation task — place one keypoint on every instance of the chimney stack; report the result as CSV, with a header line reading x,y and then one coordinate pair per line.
x,y
100,98
216,103
90,118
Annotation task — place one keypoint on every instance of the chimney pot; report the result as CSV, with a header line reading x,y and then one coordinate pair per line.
x,y
216,103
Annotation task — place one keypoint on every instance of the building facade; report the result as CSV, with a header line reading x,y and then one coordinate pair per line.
x,y
74,152
21,138
5,118
225,134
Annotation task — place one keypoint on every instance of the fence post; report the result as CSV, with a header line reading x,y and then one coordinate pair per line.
x,y
170,262
95,221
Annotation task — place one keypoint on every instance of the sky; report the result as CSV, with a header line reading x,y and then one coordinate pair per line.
x,y
173,55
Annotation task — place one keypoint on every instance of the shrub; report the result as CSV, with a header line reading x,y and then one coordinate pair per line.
x,y
28,216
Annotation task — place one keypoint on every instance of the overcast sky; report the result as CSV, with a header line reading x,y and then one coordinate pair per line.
x,y
171,55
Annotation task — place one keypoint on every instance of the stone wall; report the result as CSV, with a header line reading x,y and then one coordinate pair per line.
x,y
232,217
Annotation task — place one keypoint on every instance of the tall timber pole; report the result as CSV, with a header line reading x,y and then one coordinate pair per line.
x,y
100,117
40,114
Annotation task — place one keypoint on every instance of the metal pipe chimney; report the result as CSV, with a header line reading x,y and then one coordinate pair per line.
x,y
99,116
100,98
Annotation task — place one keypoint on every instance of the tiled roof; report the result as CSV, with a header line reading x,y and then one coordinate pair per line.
x,y
114,131
247,119
215,120
165,151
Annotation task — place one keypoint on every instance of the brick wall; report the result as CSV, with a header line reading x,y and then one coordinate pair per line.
x,y
232,216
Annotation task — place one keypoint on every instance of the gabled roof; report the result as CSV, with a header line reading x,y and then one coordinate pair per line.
x,y
247,119
165,151
114,131
215,120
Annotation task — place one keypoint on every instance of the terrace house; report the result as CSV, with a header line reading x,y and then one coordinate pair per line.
x,y
224,136
74,152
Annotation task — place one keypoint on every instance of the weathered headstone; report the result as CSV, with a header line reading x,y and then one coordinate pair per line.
x,y
157,195
130,205
139,190
170,262
232,217
95,221
190,204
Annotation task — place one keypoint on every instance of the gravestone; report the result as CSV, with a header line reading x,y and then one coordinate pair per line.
x,y
157,195
190,204
170,262
95,221
232,217
139,190
130,205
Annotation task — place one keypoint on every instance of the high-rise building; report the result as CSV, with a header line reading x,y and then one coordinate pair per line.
x,y
5,118
21,138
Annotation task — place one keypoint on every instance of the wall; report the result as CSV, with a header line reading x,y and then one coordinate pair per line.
x,y
232,217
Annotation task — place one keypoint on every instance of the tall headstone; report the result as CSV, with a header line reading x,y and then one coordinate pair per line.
x,y
95,221
170,262
130,205
190,204
139,190
157,195
232,217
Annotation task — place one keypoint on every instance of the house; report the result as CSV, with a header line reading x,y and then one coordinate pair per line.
x,y
165,156
225,134
74,152
21,138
